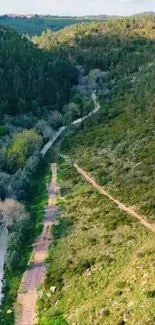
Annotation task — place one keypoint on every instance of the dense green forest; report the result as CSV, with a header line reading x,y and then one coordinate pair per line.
x,y
107,272
30,79
35,85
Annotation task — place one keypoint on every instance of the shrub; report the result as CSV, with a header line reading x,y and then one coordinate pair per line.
x,y
55,321
14,215
12,212
24,145
56,120
21,181
151,294
121,284
43,128
3,130
33,163
4,185
84,265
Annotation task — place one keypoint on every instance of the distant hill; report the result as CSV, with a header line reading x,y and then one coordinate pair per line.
x,y
32,24
145,13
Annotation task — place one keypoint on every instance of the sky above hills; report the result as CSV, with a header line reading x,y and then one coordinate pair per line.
x,y
80,7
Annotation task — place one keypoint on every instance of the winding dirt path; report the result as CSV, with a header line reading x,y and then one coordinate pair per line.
x,y
36,272
120,205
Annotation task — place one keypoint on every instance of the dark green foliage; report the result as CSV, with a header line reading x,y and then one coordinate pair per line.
x,y
3,130
151,294
31,79
57,321
62,228
24,145
4,185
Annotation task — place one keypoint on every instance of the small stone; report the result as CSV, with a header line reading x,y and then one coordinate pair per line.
x,y
53,289
125,316
146,275
9,311
41,293
131,304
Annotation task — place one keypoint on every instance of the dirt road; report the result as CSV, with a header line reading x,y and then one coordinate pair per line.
x,y
121,206
36,272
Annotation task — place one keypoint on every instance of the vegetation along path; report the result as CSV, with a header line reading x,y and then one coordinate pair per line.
x,y
36,272
120,205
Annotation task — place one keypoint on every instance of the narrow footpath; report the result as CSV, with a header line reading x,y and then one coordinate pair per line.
x,y
26,313
143,219
121,206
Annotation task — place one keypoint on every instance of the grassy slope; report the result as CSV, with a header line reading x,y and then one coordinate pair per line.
x,y
102,263
121,161
119,151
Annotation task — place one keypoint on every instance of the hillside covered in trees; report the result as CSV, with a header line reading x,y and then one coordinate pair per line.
x,y
102,263
31,79
106,274
120,45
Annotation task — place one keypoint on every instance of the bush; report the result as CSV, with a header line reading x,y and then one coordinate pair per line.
x,y
43,128
151,294
3,130
54,321
33,163
21,181
12,212
24,145
15,217
4,185
56,120
83,265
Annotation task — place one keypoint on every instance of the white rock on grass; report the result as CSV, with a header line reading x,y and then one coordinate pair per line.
x,y
9,311
53,289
